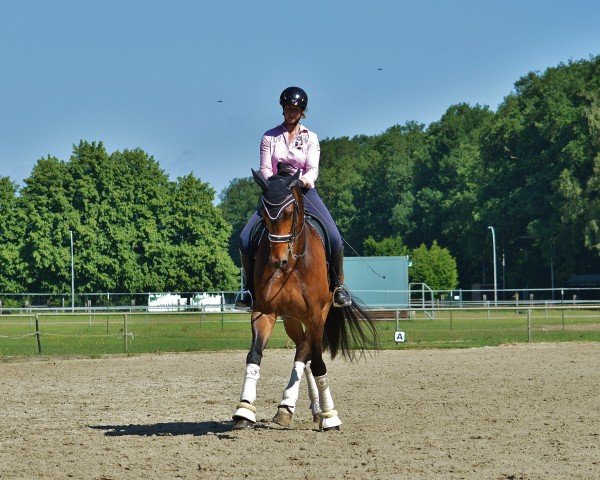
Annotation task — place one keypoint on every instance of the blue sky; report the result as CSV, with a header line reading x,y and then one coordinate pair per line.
x,y
150,74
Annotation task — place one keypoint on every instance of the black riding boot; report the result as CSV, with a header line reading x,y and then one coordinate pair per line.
x,y
341,296
246,299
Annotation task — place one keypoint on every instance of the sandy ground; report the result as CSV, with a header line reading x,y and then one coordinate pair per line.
x,y
510,412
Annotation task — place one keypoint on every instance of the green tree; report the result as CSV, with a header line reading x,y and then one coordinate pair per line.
x,y
133,229
13,274
434,266
539,164
389,246
446,183
239,201
198,239
49,216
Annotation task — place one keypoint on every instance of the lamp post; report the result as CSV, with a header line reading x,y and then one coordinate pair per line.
x,y
72,275
495,278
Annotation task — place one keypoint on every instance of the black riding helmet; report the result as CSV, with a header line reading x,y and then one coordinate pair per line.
x,y
293,96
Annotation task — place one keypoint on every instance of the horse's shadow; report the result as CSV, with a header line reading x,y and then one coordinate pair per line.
x,y
220,429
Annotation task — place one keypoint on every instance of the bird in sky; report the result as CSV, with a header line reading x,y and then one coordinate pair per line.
x,y
219,101
379,69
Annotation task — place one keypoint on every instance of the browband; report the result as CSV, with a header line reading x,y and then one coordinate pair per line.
x,y
276,207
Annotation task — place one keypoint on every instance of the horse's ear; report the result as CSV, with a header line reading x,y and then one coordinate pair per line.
x,y
258,178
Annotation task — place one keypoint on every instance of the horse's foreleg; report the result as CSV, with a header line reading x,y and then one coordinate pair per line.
x,y
313,393
329,416
287,406
262,327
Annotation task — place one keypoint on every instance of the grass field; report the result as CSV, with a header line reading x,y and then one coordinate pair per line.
x,y
97,333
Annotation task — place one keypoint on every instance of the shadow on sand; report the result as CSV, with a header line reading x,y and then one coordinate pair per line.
x,y
167,429
219,429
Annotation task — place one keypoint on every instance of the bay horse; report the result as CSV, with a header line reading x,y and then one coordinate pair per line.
x,y
291,281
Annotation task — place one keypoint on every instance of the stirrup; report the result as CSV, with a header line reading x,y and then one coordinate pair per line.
x,y
240,297
346,299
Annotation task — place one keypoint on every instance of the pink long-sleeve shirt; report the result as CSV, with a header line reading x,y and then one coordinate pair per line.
x,y
302,154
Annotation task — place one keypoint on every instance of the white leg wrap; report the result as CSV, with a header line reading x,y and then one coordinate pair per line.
x,y
246,409
290,394
325,399
249,388
313,392
329,416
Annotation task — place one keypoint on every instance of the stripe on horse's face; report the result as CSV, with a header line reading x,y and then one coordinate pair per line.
x,y
282,226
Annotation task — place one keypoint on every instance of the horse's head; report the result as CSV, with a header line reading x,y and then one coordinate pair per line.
x,y
282,209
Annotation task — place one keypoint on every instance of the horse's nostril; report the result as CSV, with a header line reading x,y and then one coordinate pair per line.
x,y
280,262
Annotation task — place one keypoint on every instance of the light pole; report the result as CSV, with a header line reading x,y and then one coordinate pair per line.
x,y
72,275
495,278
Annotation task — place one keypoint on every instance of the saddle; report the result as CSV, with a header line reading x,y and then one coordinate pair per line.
x,y
311,221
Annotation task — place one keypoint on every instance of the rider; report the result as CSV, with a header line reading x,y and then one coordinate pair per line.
x,y
297,148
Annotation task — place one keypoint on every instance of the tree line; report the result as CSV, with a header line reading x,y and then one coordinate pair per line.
x,y
133,229
531,170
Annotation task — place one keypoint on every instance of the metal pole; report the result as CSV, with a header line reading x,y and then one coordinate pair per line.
x,y
495,277
72,275
552,276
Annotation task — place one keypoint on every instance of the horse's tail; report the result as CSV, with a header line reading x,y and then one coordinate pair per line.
x,y
349,331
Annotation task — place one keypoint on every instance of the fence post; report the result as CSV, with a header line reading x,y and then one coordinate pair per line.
x,y
126,334
37,334
529,324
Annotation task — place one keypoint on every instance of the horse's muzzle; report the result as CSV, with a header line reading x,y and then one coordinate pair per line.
x,y
279,263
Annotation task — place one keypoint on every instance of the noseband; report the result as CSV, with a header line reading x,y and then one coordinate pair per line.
x,y
274,211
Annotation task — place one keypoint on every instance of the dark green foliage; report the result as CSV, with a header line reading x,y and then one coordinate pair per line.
x,y
531,169
540,163
238,202
434,266
133,229
389,246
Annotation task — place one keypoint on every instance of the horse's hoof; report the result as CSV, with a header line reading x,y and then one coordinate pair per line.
x,y
242,424
331,429
283,417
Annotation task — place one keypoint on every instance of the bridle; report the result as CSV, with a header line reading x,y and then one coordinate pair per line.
x,y
274,211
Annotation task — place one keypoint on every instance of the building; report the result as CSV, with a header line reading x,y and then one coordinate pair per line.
x,y
379,282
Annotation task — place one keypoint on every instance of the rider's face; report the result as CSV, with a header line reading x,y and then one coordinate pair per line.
x,y
292,114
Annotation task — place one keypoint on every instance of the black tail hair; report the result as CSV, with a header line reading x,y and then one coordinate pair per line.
x,y
350,331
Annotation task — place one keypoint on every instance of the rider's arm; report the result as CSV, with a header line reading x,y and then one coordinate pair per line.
x,y
266,154
311,167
